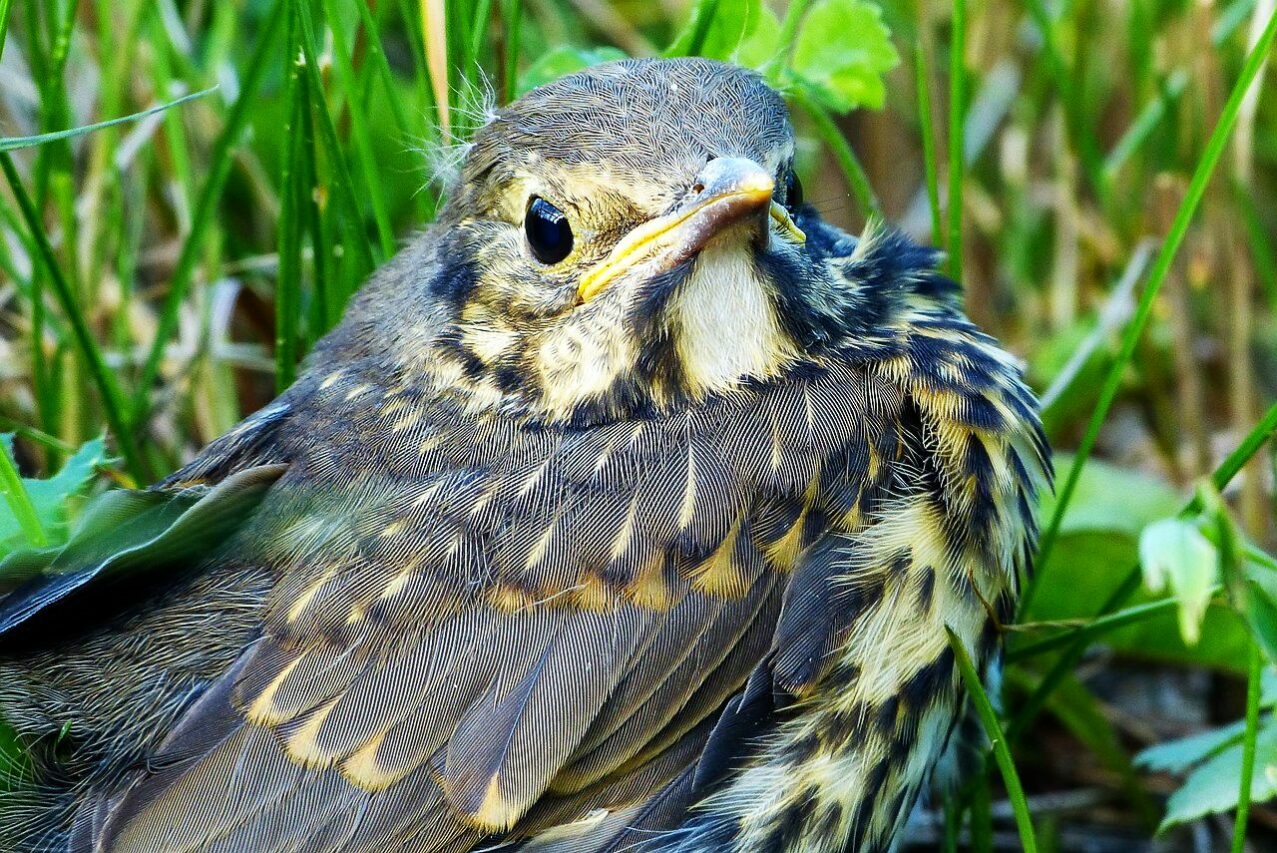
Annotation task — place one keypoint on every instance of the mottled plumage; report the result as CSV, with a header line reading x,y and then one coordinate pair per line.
x,y
649,548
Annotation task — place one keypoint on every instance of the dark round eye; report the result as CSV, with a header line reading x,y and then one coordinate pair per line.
x,y
548,231
793,191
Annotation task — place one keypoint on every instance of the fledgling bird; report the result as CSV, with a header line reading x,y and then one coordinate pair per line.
x,y
626,509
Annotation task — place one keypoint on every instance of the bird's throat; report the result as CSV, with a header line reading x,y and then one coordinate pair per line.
x,y
725,322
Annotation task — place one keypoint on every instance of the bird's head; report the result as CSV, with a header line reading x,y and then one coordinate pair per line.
x,y
631,236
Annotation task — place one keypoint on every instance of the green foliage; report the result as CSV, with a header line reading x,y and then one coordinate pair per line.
x,y
1213,761
718,28
51,499
842,52
1174,553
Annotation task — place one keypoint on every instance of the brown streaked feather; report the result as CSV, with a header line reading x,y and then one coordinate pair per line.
x,y
639,720
388,657
508,745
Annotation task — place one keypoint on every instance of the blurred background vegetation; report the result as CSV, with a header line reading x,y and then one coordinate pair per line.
x,y
1100,172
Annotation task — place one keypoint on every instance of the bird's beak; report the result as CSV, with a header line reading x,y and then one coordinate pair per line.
x,y
728,190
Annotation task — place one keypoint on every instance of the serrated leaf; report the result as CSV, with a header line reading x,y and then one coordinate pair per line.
x,y
1174,553
841,53
1213,787
562,61
49,497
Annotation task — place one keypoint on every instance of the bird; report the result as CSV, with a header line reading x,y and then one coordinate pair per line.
x,y
630,506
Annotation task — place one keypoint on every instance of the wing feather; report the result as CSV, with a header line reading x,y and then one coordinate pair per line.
x,y
510,628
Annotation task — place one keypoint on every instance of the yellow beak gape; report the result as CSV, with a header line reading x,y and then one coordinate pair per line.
x,y
786,222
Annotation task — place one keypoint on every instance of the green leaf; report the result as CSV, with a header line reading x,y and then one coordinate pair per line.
x,y
564,60
16,497
49,497
734,23
1113,500
1177,756
841,53
1173,551
716,28
1099,537
1213,786
762,45
1252,588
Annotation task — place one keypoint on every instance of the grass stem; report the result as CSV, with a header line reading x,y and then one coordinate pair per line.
x,y
843,153
100,374
998,740
1254,672
1161,267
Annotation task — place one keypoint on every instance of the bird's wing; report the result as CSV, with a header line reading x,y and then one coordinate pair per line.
x,y
524,626
127,540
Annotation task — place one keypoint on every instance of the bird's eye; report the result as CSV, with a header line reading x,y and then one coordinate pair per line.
x,y
549,234
793,191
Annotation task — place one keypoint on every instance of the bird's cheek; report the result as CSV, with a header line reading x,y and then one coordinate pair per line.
x,y
579,362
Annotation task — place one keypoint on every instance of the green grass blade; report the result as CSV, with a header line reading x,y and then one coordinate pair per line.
x,y
1079,639
981,813
205,207
325,296
705,10
512,14
292,188
1148,120
1246,448
1161,267
1254,671
15,494
957,136
1001,753
922,78
837,144
1261,249
4,24
378,55
794,14
478,29
345,74
13,143
1097,627
38,436
952,823
99,373
356,243
45,401
1069,91
1170,89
